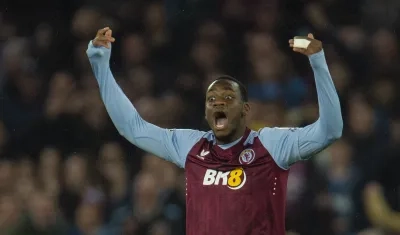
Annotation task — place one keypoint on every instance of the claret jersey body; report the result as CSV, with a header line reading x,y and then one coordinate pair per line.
x,y
237,190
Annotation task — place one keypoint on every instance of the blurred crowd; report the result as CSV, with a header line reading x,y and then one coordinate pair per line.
x,y
65,170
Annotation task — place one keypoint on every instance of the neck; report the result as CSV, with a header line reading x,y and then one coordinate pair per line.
x,y
238,133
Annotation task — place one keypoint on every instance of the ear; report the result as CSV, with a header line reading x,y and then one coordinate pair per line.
x,y
246,109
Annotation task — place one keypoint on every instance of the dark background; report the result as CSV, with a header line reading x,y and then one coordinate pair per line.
x,y
65,170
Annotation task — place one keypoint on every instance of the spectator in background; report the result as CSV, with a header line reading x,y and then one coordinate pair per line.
x,y
10,212
88,220
41,218
382,196
77,186
341,178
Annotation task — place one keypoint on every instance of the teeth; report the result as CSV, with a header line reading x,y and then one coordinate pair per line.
x,y
221,123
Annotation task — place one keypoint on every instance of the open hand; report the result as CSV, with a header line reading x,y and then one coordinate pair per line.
x,y
315,45
103,38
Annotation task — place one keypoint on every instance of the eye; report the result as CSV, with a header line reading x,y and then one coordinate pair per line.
x,y
228,97
211,99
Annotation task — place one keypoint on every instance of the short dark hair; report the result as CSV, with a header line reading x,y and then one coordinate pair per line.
x,y
242,88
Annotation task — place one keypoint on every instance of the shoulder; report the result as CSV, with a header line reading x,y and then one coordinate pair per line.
x,y
188,133
186,138
197,134
275,133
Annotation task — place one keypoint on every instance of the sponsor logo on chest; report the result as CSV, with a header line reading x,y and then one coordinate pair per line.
x,y
234,179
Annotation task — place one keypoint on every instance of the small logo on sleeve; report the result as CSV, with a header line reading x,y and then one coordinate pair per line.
x,y
204,153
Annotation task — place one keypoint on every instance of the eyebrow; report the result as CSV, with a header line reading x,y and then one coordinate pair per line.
x,y
226,88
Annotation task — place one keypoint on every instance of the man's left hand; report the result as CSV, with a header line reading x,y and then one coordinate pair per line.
x,y
315,45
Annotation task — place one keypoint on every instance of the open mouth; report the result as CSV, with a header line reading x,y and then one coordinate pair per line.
x,y
220,120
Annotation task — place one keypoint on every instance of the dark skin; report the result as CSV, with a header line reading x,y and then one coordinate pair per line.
x,y
223,96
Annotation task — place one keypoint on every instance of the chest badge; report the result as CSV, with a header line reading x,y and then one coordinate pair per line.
x,y
247,156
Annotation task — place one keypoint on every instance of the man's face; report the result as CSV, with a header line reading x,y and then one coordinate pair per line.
x,y
225,110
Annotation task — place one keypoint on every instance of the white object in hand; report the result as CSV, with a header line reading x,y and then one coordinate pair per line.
x,y
301,43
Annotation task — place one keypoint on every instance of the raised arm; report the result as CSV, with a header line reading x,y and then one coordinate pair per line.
x,y
172,145
289,145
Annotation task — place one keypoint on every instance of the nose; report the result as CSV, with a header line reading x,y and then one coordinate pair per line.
x,y
219,103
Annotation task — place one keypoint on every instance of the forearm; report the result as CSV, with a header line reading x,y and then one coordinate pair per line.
x,y
328,128
289,145
118,106
330,120
121,111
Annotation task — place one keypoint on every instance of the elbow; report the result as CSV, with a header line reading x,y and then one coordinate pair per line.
x,y
339,128
123,127
335,131
131,127
127,134
121,132
335,135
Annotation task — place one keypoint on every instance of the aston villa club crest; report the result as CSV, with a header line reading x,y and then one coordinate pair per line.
x,y
247,156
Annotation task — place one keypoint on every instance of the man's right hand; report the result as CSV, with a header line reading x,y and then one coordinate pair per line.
x,y
103,38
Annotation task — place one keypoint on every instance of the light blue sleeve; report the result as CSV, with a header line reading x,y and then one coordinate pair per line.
x,y
170,144
289,145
